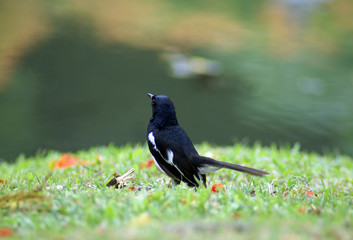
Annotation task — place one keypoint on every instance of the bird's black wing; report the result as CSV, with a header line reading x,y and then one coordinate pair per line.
x,y
177,150
162,164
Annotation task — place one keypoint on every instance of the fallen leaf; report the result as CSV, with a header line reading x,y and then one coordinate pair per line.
x,y
147,164
311,194
236,215
66,160
5,232
301,210
216,187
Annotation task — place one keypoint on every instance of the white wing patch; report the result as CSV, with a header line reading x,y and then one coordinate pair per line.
x,y
151,139
170,156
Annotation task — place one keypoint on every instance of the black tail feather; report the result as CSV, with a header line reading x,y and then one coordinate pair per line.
x,y
241,168
214,163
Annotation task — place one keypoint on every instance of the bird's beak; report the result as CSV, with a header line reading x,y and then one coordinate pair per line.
x,y
150,95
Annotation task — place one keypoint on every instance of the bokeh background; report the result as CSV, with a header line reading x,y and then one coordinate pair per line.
x,y
74,74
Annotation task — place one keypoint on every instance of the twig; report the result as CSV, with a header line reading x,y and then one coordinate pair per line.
x,y
122,180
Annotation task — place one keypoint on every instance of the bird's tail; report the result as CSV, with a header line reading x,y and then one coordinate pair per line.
x,y
211,165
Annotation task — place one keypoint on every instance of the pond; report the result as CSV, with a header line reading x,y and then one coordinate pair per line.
x,y
73,91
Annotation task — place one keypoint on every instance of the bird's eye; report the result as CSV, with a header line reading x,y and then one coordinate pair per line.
x,y
153,101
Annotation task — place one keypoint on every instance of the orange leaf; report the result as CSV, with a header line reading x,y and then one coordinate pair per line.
x,y
311,194
301,210
66,161
147,164
5,232
216,187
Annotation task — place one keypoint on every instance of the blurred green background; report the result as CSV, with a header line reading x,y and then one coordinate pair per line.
x,y
74,74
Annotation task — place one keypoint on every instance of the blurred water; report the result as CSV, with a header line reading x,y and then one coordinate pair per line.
x,y
73,90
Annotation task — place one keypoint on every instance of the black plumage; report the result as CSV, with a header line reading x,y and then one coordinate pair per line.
x,y
173,151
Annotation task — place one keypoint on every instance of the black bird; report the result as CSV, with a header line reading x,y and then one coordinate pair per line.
x,y
173,152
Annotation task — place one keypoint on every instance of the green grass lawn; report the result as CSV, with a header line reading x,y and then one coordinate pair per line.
x,y
305,196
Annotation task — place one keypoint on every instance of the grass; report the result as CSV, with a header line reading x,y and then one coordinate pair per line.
x,y
75,203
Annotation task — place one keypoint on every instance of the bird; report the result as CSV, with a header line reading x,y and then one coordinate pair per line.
x,y
174,153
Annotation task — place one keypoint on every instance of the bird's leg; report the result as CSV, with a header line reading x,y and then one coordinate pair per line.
x,y
203,180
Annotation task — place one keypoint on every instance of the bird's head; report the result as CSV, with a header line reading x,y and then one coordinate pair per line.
x,y
163,111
